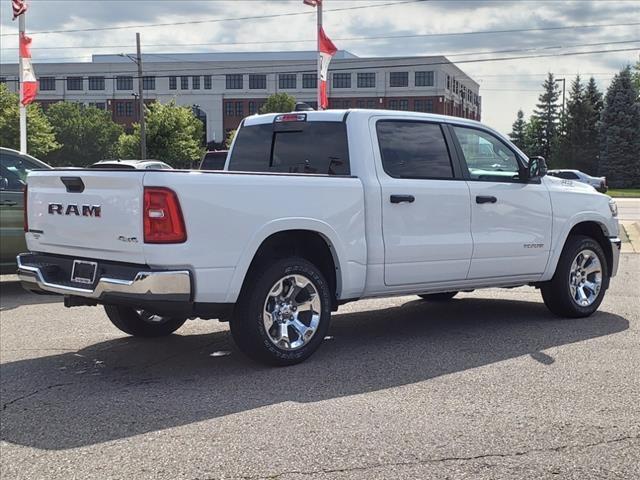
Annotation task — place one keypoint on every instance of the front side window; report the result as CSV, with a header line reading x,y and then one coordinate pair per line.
x,y
487,157
413,150
265,148
14,170
124,83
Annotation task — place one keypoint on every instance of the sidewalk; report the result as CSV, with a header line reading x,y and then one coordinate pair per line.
x,y
630,236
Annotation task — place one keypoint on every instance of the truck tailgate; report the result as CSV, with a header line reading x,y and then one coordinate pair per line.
x,y
86,213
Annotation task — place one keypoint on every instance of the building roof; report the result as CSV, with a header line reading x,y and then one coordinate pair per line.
x,y
221,56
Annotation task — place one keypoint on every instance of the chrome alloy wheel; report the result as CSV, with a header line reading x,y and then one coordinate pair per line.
x,y
585,278
292,312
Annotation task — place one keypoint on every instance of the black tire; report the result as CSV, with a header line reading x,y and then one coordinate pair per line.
x,y
139,324
247,325
438,297
556,293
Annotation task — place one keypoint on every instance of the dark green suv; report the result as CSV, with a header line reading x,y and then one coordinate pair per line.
x,y
14,168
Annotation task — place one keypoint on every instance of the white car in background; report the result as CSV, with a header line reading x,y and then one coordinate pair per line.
x,y
599,183
133,164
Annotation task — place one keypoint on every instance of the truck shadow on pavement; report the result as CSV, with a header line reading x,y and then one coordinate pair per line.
x,y
12,295
125,387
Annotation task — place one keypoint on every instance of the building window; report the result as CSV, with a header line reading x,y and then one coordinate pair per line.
x,y
124,83
399,104
424,79
98,105
184,82
371,104
74,83
309,80
96,83
366,80
148,83
3,80
173,83
423,105
207,82
257,82
399,79
228,109
195,82
252,105
287,81
239,109
124,109
341,80
46,83
448,82
234,81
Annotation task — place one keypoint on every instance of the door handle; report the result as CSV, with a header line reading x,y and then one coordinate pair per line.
x,y
486,199
402,198
8,203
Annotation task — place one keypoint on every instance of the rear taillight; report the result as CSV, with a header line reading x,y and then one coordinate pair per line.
x,y
24,211
163,221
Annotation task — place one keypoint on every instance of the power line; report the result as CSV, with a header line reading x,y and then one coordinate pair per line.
x,y
174,72
218,20
373,37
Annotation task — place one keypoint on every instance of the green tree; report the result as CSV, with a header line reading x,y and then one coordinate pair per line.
x,y
87,134
279,103
547,113
636,76
40,137
174,135
533,137
593,109
620,133
231,134
518,131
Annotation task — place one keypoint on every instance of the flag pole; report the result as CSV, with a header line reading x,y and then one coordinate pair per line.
x,y
319,61
23,109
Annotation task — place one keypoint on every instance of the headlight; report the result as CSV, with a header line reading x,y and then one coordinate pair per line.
x,y
613,206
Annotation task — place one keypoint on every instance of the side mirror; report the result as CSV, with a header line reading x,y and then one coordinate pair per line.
x,y
537,168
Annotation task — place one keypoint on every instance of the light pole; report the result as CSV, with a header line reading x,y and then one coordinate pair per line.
x,y
138,61
563,91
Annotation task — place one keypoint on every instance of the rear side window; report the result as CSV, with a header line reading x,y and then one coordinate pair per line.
x,y
214,161
296,147
413,149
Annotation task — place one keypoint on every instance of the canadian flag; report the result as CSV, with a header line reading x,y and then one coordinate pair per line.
x,y
327,50
29,82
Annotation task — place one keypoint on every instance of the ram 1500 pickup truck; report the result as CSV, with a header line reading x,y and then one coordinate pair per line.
x,y
315,209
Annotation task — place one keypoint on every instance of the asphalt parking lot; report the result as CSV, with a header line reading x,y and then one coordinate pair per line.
x,y
489,385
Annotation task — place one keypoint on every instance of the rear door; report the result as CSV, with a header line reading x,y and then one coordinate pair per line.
x,y
510,218
87,213
425,208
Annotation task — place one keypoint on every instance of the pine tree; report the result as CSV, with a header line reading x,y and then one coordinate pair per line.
x,y
620,133
518,135
593,109
572,143
533,137
547,113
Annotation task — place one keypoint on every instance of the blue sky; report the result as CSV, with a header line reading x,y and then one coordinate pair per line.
x,y
506,86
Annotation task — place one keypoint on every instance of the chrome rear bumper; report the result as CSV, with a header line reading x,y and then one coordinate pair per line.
x,y
145,285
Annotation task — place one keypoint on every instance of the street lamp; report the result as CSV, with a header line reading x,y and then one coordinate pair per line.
x,y
138,61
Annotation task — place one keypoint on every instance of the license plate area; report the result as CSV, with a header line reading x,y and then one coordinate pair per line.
x,y
84,272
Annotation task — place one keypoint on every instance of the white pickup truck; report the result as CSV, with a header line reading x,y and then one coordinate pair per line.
x,y
315,209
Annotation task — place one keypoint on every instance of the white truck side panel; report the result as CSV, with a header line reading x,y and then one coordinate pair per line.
x,y
229,215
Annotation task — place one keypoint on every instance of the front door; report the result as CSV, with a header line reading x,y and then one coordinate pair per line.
x,y
510,218
425,208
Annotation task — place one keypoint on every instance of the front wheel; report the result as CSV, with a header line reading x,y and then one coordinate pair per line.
x,y
141,323
283,315
438,297
577,287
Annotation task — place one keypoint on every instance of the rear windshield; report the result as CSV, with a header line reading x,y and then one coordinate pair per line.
x,y
296,147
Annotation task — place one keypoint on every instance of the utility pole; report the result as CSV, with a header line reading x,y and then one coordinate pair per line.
x,y
319,61
143,135
563,91
23,109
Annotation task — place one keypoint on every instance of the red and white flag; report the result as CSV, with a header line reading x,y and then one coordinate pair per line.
x,y
19,7
29,82
326,50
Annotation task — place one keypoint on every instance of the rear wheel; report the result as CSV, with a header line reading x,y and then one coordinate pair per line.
x,y
577,287
141,323
282,317
438,297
